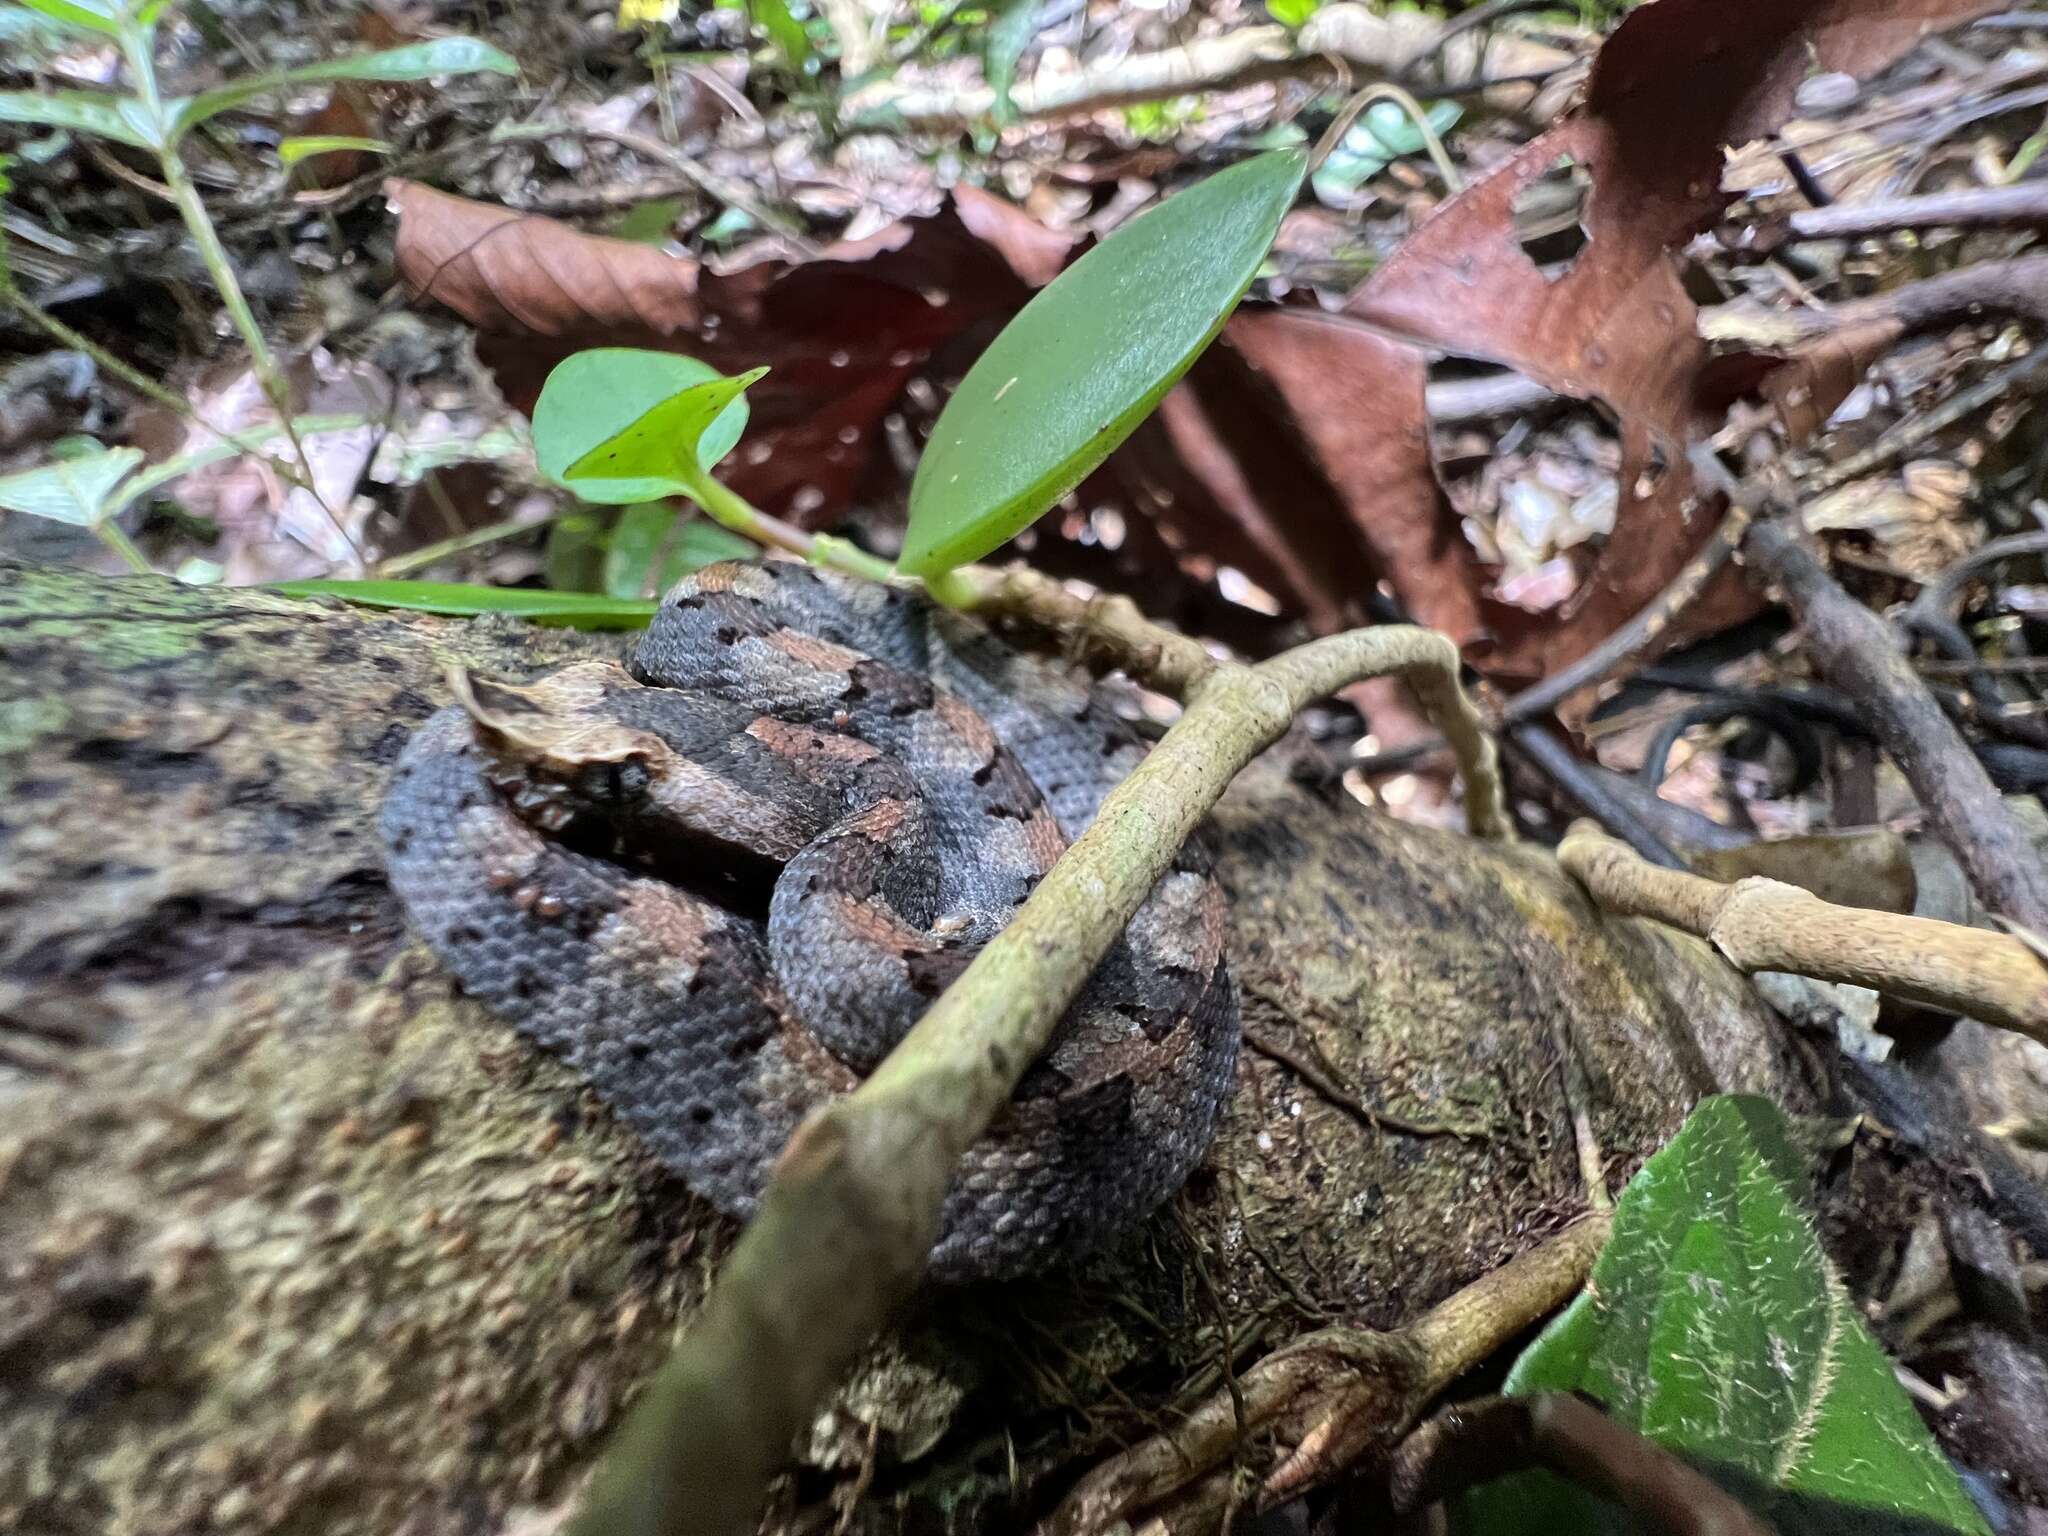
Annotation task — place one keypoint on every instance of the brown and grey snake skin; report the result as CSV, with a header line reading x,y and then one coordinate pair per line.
x,y
722,882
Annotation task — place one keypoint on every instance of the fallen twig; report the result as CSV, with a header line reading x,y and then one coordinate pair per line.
x,y
2016,287
1936,597
1767,925
1580,781
1331,1397
1858,653
1928,616
843,1230
1642,632
1109,632
1381,45
2022,204
1903,437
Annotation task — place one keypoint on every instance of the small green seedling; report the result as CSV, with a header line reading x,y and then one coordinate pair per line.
x,y
145,118
1067,381
89,485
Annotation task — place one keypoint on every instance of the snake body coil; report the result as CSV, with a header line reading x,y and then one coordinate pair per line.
x,y
723,883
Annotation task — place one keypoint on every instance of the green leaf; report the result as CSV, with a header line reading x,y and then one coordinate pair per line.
x,y
30,39
85,15
701,542
80,490
635,546
650,223
120,118
573,560
654,545
580,610
1086,360
669,449
1714,1323
1008,36
591,397
86,483
305,147
784,33
415,61
1293,13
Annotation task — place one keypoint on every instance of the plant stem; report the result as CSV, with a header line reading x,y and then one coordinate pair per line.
x,y
126,372
115,538
954,590
1386,90
214,256
138,49
476,538
729,509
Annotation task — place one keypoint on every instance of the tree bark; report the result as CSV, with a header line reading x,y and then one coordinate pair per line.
x,y
293,1238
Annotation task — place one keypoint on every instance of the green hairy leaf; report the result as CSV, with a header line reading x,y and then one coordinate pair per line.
x,y
579,610
1714,1323
1086,360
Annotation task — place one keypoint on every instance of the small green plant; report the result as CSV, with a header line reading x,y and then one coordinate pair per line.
x,y
89,485
145,118
1067,380
1160,122
1714,1324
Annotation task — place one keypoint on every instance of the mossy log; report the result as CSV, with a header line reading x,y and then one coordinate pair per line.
x,y
293,1238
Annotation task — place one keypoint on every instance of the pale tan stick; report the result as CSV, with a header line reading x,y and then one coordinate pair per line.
x,y
1766,925
1109,631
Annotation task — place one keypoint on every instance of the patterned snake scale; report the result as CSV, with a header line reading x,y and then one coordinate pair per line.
x,y
723,881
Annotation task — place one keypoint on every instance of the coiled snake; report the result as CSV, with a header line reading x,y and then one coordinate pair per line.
x,y
723,881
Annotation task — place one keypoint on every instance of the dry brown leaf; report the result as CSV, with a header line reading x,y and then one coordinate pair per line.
x,y
1674,84
505,271
1357,400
